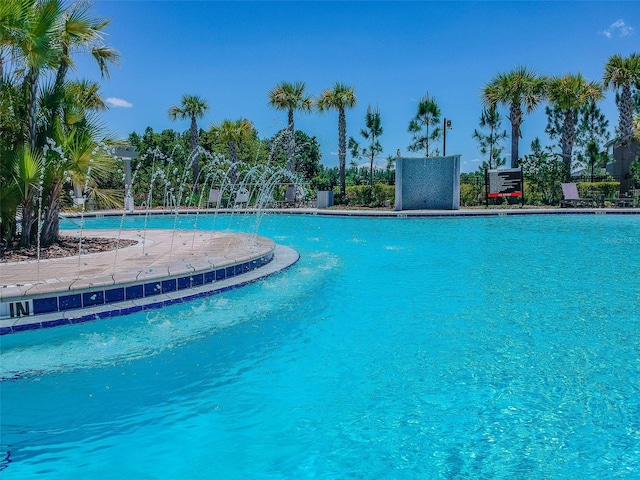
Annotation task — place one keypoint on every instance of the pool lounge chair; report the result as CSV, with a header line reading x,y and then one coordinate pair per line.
x,y
290,199
290,196
571,198
242,198
214,197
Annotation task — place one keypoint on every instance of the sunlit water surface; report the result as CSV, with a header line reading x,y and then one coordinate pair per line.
x,y
395,348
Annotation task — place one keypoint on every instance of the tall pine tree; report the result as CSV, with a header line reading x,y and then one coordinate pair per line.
x,y
592,136
489,143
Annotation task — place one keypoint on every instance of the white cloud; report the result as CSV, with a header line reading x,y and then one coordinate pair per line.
x,y
471,163
618,29
118,102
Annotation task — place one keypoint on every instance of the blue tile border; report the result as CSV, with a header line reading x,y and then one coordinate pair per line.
x,y
184,282
169,285
152,288
114,295
134,291
45,305
91,299
69,303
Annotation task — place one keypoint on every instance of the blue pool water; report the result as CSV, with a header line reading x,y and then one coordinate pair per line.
x,y
502,347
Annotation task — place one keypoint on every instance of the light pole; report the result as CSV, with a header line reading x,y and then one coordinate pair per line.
x,y
447,125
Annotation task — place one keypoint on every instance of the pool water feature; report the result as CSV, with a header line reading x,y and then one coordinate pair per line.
x,y
395,348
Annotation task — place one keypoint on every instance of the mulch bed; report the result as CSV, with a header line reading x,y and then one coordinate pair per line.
x,y
64,247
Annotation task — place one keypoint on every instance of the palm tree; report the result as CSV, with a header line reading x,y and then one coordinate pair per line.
x,y
233,134
192,107
76,161
35,44
73,103
290,97
13,14
371,133
340,98
81,164
41,35
518,89
25,169
568,94
82,33
621,74
428,115
12,113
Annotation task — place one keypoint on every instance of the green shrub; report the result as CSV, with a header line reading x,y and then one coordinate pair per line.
x,y
532,196
383,195
634,171
547,194
471,194
362,195
357,194
608,189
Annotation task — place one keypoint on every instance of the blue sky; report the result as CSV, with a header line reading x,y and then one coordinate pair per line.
x,y
392,53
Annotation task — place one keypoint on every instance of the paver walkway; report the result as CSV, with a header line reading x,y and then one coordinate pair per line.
x,y
158,256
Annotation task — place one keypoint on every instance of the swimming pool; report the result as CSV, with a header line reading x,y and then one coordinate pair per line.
x,y
395,348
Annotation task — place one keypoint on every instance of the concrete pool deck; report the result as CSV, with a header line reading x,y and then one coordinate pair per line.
x,y
164,267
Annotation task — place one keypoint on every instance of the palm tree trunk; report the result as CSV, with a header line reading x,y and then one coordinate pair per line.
x,y
568,136
491,140
233,158
291,146
373,142
371,175
342,149
51,222
195,168
59,82
626,113
32,84
426,140
515,117
28,219
61,73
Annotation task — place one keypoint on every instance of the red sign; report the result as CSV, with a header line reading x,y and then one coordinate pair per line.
x,y
498,195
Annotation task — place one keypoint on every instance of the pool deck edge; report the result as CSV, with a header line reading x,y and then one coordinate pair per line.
x,y
463,212
158,271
